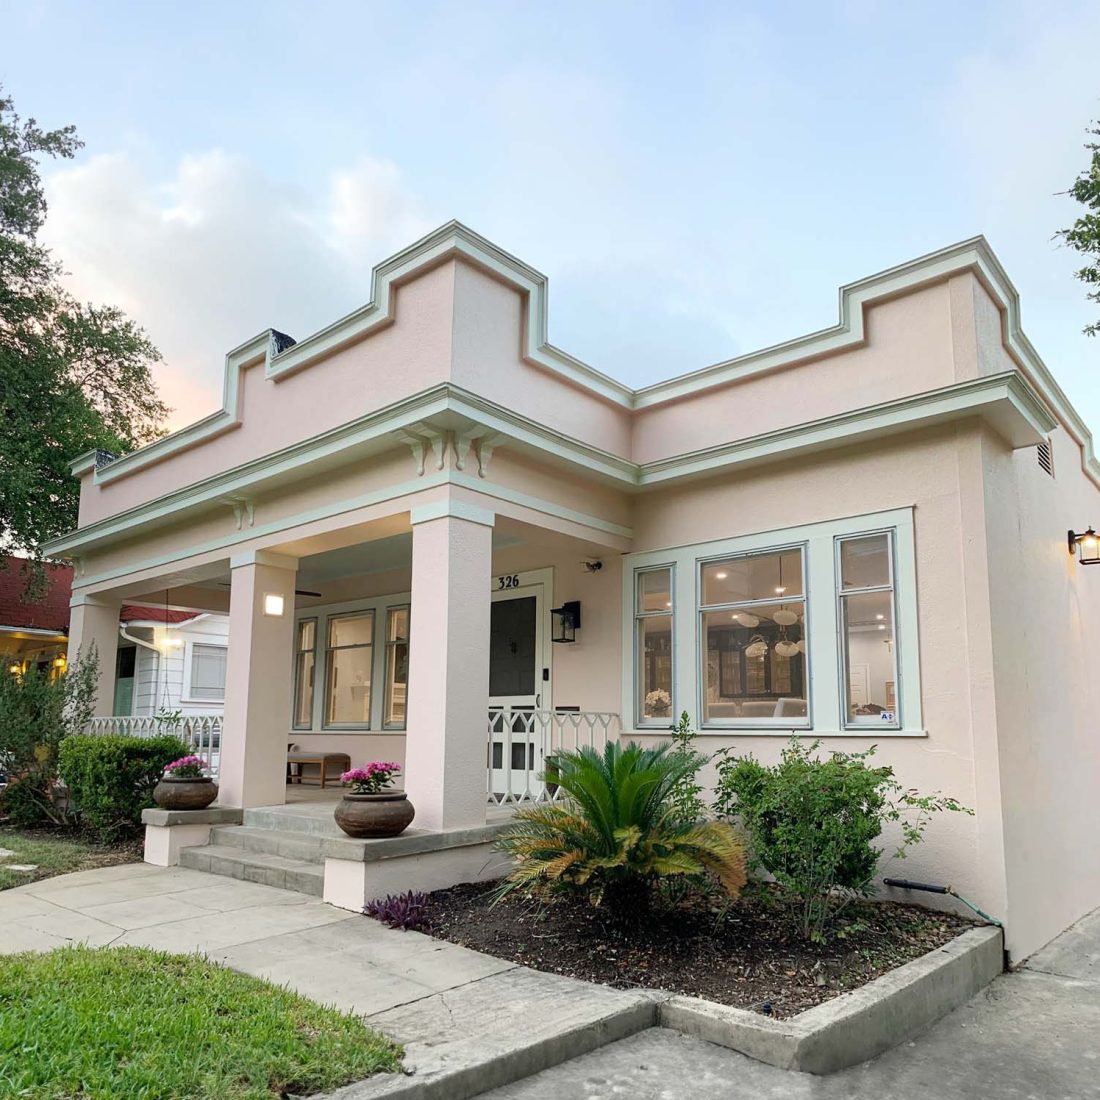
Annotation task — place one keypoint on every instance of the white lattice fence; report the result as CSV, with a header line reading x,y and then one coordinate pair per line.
x,y
202,732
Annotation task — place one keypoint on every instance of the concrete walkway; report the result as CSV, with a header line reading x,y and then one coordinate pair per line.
x,y
468,1021
1031,1035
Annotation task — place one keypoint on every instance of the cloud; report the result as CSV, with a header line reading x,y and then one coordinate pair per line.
x,y
221,251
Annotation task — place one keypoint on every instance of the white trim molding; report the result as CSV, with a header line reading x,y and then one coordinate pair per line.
x,y
1005,400
456,509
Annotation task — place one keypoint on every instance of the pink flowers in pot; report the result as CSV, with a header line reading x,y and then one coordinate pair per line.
x,y
186,767
372,778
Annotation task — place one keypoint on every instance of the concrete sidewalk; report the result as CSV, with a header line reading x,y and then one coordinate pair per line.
x,y
1031,1035
468,1022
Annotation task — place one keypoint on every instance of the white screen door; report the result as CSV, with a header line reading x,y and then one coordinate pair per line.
x,y
516,687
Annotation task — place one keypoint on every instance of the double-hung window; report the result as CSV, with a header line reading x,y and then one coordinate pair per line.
x,y
207,676
349,657
865,571
811,627
752,630
397,668
653,616
305,663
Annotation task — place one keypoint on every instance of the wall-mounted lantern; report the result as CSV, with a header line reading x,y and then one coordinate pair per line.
x,y
15,668
565,622
1086,546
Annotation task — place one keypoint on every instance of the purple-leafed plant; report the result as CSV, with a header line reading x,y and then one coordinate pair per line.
x,y
405,911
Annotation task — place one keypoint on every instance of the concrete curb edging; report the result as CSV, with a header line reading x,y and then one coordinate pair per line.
x,y
855,1026
508,1066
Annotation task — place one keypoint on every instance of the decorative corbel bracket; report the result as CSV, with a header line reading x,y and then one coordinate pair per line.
x,y
486,445
244,511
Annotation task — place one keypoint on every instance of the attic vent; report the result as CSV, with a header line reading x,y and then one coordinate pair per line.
x,y
1046,457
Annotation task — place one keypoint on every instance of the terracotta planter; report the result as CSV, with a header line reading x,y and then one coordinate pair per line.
x,y
373,815
172,793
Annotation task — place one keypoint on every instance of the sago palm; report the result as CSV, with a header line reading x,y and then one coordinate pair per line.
x,y
613,835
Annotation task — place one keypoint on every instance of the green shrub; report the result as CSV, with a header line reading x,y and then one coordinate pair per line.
x,y
614,835
111,778
37,713
686,797
813,823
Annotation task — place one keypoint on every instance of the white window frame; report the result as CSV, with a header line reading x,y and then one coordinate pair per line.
x,y
701,609
188,656
826,699
322,613
845,673
636,618
387,684
298,621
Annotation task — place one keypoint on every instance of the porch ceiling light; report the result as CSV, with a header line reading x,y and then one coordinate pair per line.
x,y
1086,546
274,604
565,622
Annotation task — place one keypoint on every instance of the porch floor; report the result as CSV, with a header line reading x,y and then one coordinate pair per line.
x,y
317,802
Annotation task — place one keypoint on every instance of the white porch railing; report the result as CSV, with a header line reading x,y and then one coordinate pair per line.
x,y
521,740
203,732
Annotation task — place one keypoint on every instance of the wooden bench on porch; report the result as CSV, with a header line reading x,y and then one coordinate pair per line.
x,y
297,760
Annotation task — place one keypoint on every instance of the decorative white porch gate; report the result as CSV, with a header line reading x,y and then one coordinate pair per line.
x,y
522,742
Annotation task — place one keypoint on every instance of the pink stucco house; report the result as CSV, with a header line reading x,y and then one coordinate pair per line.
x,y
441,539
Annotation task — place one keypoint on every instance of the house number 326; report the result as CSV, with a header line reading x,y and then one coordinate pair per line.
x,y
509,581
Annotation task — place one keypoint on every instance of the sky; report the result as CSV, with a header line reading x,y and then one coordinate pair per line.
x,y
696,180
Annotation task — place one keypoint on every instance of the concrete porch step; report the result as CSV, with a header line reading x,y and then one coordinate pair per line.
x,y
264,867
277,842
313,818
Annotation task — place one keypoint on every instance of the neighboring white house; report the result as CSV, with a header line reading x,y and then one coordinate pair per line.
x,y
170,661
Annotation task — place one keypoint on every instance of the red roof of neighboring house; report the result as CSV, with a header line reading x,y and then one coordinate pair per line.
x,y
49,613
52,611
131,613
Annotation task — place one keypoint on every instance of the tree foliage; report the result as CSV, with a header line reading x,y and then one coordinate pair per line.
x,y
37,713
73,376
1084,235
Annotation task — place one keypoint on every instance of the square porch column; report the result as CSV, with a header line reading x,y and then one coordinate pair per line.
x,y
93,624
257,680
446,737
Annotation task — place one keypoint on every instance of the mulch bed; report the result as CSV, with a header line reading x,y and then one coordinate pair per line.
x,y
748,954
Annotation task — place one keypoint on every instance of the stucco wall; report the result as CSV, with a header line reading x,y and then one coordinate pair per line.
x,y
921,471
1046,636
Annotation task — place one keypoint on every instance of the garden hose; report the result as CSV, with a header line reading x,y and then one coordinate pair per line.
x,y
929,888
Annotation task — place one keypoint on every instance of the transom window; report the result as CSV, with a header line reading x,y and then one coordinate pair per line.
x,y
753,640
869,639
653,617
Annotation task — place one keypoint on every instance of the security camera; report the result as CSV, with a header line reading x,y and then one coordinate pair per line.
x,y
592,566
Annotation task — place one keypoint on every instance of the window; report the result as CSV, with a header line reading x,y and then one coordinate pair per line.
x,y
348,660
305,662
867,629
653,633
753,640
397,668
207,679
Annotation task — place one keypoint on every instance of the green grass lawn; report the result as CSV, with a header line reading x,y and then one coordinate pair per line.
x,y
56,853
128,1023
